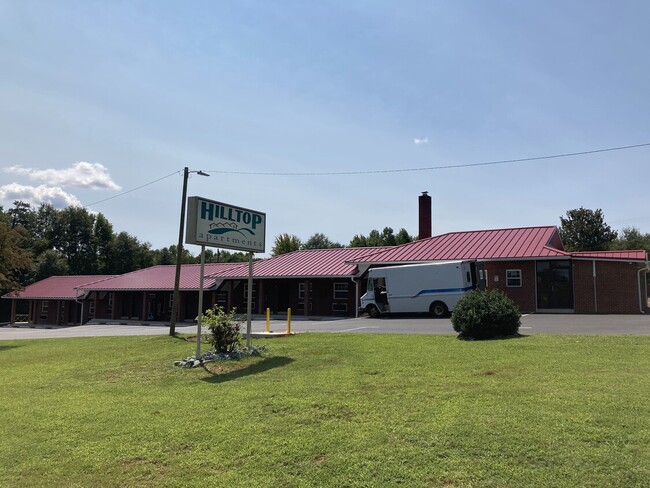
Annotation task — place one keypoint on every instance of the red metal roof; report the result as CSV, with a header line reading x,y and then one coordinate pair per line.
x,y
519,243
162,278
304,264
639,255
56,287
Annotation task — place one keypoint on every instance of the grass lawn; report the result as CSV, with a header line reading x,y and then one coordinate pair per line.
x,y
328,410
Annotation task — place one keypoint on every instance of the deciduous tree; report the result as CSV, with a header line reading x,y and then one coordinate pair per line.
x,y
631,238
51,263
15,260
386,237
585,230
285,243
320,241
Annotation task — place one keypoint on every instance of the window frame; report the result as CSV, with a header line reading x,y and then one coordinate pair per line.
x,y
511,280
337,293
246,290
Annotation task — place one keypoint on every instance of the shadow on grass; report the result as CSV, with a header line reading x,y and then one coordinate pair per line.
x,y
462,337
260,367
180,337
4,348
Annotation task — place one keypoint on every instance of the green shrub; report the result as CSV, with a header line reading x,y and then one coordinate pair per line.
x,y
224,329
486,314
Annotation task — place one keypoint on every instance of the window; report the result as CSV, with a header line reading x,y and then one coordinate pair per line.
x,y
45,306
340,291
483,276
91,309
301,290
252,295
110,303
171,300
339,307
513,278
246,291
222,299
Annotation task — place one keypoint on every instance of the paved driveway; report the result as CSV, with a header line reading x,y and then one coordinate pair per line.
x,y
530,324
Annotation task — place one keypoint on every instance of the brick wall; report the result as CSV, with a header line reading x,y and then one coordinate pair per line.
x,y
616,287
523,296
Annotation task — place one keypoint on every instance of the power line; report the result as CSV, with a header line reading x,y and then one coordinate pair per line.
x,y
384,171
134,189
429,168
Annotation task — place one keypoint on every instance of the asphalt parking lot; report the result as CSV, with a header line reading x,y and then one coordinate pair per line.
x,y
530,324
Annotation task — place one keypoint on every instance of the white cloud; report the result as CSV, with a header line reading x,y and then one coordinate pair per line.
x,y
36,195
82,174
417,141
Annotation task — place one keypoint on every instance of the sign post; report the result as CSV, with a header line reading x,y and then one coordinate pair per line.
x,y
249,302
200,315
217,224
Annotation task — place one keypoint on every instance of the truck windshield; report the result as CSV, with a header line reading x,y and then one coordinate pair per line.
x,y
377,284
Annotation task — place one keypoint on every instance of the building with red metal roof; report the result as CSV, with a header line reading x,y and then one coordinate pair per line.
x,y
55,300
498,244
529,264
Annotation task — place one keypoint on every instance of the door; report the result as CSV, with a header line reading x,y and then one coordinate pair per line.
x,y
554,285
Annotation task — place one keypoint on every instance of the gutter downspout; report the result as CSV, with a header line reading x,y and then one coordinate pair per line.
x,y
356,300
81,321
595,289
644,269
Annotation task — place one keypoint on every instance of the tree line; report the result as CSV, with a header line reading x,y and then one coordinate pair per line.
x,y
36,243
285,243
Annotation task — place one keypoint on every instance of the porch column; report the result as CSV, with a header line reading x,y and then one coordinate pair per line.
x,y
260,295
356,298
58,312
307,298
143,315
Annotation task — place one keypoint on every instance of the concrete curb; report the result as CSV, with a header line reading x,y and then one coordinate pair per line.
x,y
268,335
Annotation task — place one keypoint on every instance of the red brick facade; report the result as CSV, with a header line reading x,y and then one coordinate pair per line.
x,y
523,296
614,289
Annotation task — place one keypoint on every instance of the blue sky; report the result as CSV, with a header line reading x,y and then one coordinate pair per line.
x,y
97,98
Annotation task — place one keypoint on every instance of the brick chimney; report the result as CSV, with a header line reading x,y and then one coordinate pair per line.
x,y
424,205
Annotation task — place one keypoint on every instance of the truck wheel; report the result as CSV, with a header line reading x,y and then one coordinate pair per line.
x,y
373,312
438,309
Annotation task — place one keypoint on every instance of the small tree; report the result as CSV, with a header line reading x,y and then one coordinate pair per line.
x,y
584,229
320,241
285,243
485,315
224,334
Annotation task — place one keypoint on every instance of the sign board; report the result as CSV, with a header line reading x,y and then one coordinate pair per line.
x,y
218,224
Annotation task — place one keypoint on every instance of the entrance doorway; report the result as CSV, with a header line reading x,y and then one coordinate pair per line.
x,y
278,297
554,286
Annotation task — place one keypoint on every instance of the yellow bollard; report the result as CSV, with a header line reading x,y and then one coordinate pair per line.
x,y
288,321
268,320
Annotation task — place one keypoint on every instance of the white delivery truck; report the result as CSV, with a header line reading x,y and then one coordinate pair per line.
x,y
419,288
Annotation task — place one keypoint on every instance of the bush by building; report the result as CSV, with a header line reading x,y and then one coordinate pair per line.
x,y
485,314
